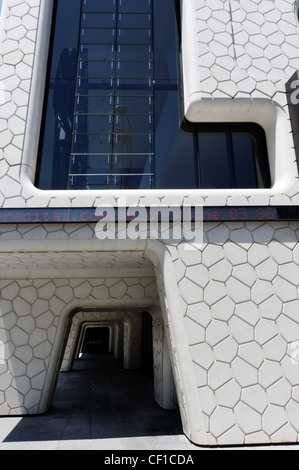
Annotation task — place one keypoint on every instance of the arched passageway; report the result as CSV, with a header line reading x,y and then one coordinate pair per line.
x,y
99,399
134,336
112,288
113,398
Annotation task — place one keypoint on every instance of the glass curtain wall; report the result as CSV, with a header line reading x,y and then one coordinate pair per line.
x,y
112,108
112,138
103,88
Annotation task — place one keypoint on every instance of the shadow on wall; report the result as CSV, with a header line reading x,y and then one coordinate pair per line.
x,y
292,92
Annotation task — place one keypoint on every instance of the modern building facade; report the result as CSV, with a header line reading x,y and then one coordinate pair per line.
x,y
114,110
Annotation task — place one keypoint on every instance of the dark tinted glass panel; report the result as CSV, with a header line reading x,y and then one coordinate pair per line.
x,y
135,104
106,164
112,112
139,143
92,143
214,158
89,164
99,123
105,143
165,40
134,36
57,135
66,65
65,43
134,20
139,164
99,6
111,182
244,149
128,92
97,36
91,86
135,6
94,104
95,69
93,124
96,52
84,182
134,83
133,52
136,124
98,20
233,158
175,156
134,69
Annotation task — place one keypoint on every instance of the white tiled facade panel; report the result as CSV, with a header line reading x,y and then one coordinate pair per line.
x,y
230,306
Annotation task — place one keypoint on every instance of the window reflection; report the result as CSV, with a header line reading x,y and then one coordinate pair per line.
x,y
112,143
234,158
112,111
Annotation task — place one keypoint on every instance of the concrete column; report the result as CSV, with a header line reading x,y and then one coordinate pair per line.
x,y
164,388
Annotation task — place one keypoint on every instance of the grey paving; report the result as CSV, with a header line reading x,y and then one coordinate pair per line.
x,y
101,406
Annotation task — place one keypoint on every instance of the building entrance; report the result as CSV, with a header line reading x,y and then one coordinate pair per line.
x,y
99,399
134,337
96,340
115,378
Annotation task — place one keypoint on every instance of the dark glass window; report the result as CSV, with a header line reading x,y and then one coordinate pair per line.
x,y
232,156
112,117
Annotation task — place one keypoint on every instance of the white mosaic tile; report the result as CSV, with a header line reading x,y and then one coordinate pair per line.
x,y
238,292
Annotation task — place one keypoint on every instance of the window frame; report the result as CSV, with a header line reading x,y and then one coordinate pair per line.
x,y
252,129
190,126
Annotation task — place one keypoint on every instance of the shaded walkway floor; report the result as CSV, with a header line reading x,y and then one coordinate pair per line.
x,y
99,405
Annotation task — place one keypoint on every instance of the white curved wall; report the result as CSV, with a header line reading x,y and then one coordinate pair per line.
x,y
230,305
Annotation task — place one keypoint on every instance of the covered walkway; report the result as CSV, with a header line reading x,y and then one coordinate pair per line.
x,y
101,406
98,405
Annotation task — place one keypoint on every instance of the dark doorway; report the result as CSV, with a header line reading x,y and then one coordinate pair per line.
x,y
100,399
96,340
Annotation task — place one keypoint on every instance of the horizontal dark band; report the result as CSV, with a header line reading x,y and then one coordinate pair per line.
x,y
94,215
